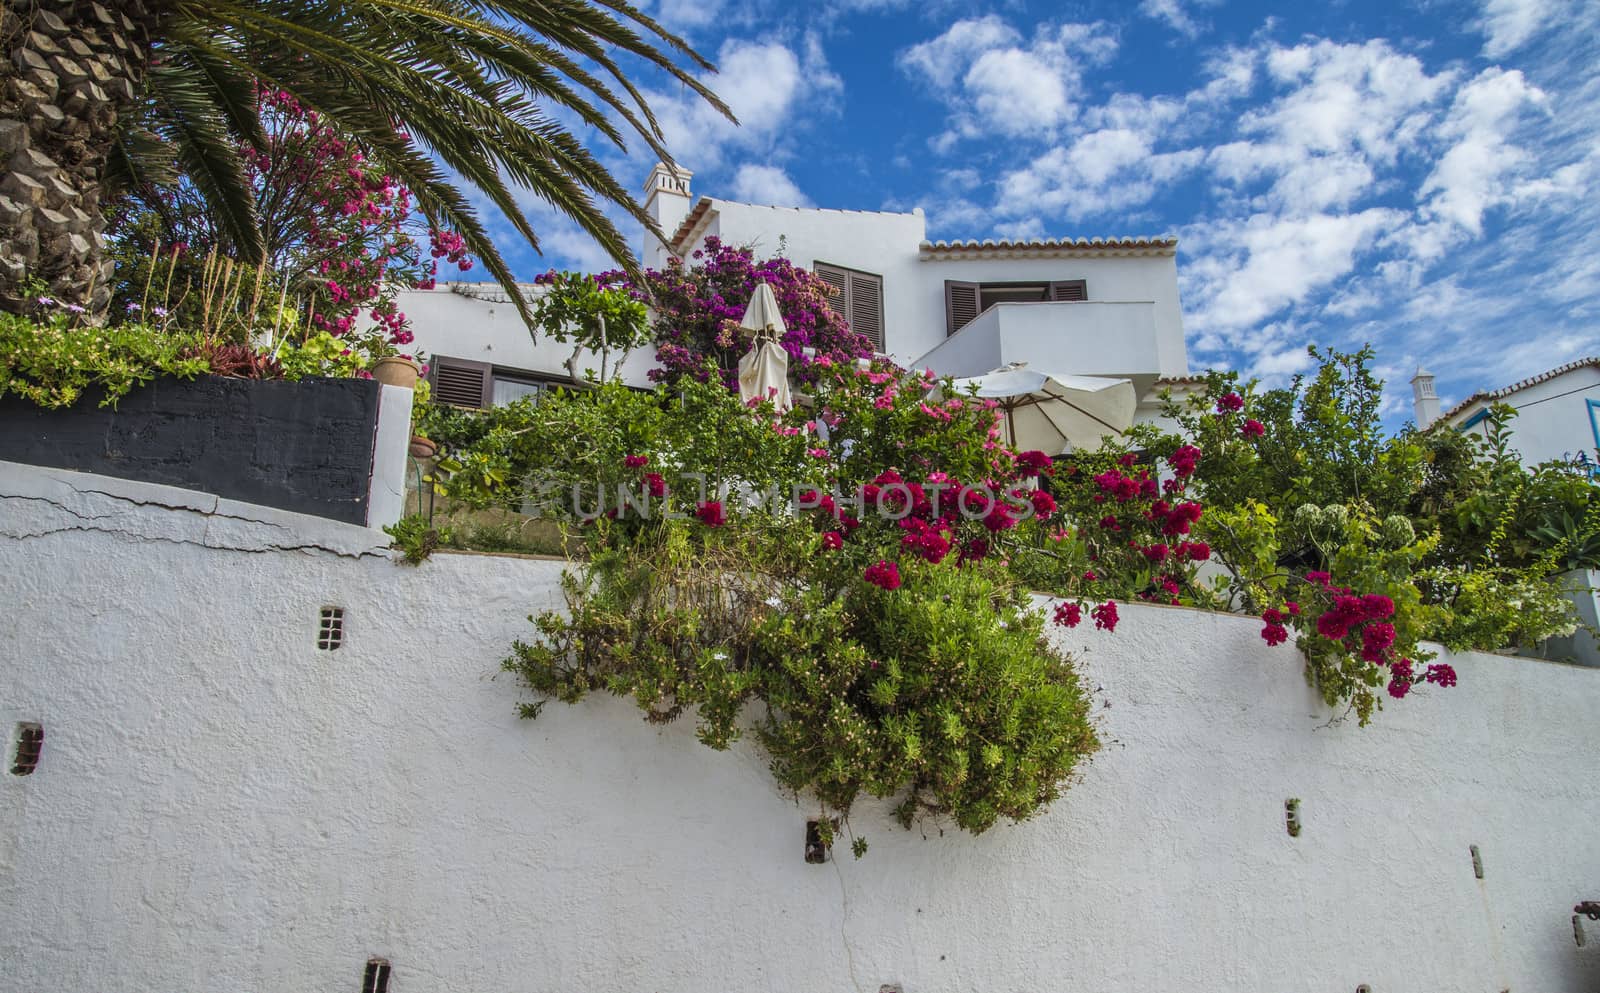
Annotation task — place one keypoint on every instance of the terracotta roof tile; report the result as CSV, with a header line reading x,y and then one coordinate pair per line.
x,y
1520,385
1142,245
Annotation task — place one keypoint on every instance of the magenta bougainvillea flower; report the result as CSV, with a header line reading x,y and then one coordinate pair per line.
x,y
883,573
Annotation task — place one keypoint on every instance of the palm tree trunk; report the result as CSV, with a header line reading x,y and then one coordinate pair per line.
x,y
71,69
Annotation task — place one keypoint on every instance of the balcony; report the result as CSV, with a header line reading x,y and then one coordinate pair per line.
x,y
1078,338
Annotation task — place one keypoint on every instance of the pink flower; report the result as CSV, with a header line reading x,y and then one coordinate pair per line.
x,y
710,514
999,518
1252,428
1441,673
1275,634
1230,402
655,484
636,461
1043,503
817,453
1183,461
1068,615
1105,616
832,540
884,574
1031,463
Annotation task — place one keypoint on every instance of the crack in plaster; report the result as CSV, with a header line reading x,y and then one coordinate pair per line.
x,y
207,538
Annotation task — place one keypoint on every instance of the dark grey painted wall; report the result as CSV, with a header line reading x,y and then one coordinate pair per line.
x,y
302,446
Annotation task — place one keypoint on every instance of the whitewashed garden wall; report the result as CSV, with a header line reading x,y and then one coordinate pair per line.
x,y
220,805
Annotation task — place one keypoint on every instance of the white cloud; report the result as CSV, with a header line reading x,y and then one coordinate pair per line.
x,y
1471,177
763,84
1251,269
1173,14
685,15
767,185
1347,111
995,82
1098,173
1508,24
941,60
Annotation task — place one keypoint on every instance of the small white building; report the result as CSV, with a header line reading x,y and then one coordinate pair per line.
x,y
1558,412
1100,307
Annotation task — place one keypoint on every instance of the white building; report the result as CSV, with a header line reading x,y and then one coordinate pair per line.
x,y
1558,412
1103,307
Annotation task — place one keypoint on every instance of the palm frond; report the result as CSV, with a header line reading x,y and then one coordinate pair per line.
x,y
473,85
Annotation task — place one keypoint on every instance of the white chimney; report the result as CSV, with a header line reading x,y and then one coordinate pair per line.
x,y
666,200
1424,401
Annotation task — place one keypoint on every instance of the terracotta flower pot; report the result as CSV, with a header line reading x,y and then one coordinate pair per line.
x,y
392,370
422,448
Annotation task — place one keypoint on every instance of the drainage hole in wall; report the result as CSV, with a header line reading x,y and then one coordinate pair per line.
x,y
1291,816
29,743
819,840
330,633
1477,862
377,977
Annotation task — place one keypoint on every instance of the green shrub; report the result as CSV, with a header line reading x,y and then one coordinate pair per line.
x,y
941,693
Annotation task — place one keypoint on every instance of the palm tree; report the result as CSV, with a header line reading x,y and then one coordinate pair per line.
x,y
88,90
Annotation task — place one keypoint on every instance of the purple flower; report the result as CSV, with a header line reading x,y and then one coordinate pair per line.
x,y
48,301
132,307
74,308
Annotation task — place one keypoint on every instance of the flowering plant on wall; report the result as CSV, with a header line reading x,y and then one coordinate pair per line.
x,y
341,235
698,308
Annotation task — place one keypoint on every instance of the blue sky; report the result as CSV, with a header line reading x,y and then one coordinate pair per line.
x,y
1421,176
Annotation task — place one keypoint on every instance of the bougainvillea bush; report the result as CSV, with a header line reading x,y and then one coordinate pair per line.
x,y
890,475
698,308
341,237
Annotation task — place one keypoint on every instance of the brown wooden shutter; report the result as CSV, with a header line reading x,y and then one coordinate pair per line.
x,y
836,278
1069,289
462,382
960,305
866,307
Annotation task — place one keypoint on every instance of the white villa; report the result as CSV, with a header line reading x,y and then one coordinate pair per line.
x,y
1100,307
1558,411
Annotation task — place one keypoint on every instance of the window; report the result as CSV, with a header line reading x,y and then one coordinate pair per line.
x,y
465,383
859,299
506,389
963,302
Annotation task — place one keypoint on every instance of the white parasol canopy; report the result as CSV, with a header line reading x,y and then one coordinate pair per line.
x,y
1055,413
764,370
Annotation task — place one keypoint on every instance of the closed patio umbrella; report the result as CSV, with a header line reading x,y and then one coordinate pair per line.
x,y
1053,412
764,370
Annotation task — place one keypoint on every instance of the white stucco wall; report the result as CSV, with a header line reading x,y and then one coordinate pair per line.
x,y
483,326
1552,417
220,806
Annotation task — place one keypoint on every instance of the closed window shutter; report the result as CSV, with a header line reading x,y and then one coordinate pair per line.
x,y
835,277
866,307
1069,290
960,305
462,382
